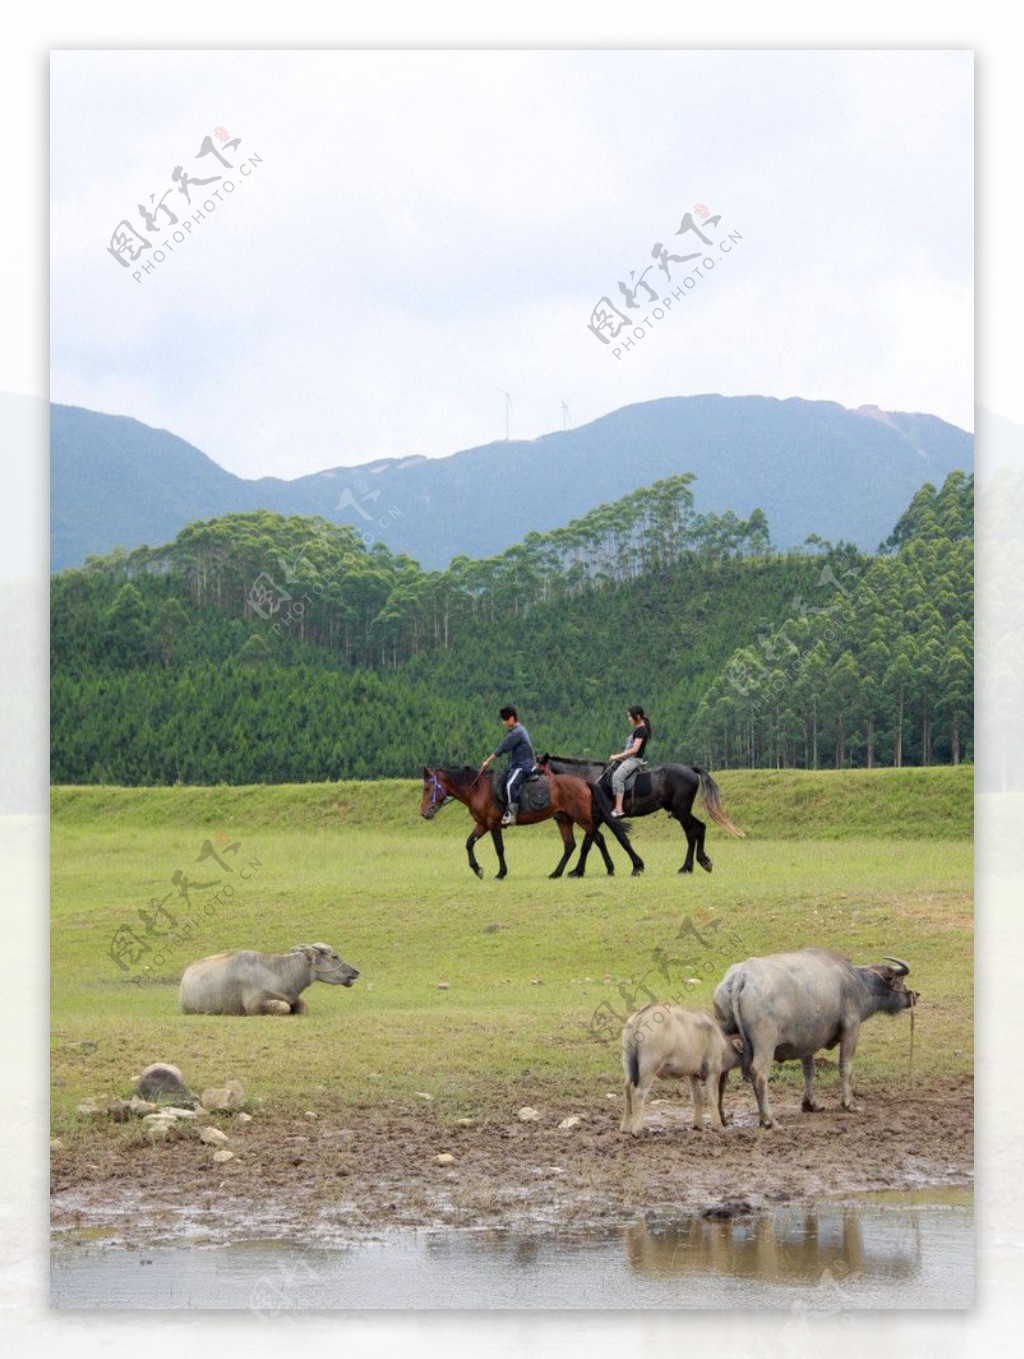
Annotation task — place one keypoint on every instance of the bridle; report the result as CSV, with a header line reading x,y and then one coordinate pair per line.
x,y
436,801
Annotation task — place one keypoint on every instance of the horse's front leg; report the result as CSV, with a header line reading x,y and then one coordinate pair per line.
x,y
602,845
581,864
623,839
568,845
474,836
499,849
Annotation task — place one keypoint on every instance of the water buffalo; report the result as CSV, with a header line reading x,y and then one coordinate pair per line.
x,y
665,1040
248,983
791,1005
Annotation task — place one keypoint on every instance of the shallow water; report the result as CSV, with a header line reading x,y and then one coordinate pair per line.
x,y
908,1250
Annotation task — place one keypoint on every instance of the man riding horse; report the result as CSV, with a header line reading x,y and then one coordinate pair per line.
x,y
521,759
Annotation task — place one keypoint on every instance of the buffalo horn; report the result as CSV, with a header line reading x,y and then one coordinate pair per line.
x,y
903,967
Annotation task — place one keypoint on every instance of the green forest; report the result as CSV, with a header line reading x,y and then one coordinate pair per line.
x,y
257,648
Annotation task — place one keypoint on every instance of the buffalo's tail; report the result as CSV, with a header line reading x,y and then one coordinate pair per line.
x,y
632,1056
713,802
732,1023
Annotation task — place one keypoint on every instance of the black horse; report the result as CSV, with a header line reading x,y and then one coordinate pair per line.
x,y
668,787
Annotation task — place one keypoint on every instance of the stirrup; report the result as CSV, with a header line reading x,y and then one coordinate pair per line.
x,y
509,819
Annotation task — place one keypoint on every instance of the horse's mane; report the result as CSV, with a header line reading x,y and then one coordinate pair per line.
x,y
460,775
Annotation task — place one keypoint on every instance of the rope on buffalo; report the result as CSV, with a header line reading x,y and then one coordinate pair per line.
x,y
910,1064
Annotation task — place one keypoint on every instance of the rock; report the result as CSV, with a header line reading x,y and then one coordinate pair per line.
x,y
223,1155
243,1117
528,1115
422,1094
571,1122
445,1158
442,986
213,1137
161,1080
217,1097
465,1123
175,1111
157,1128
118,1109
90,1109
56,1144
492,929
310,1113
140,1106
536,982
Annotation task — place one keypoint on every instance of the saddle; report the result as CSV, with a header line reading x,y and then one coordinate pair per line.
x,y
534,791
638,784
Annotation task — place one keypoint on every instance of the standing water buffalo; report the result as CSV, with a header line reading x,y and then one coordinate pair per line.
x,y
665,1040
248,983
791,1005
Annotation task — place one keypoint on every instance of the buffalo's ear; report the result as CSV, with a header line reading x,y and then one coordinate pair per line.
x,y
426,772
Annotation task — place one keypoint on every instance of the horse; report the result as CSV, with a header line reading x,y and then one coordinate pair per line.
x,y
570,801
673,788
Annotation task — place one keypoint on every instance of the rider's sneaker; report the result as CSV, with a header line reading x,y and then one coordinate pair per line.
x,y
509,819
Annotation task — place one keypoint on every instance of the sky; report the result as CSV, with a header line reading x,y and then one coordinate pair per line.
x,y
409,252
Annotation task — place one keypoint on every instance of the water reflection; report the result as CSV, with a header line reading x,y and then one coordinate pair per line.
x,y
799,1244
825,1256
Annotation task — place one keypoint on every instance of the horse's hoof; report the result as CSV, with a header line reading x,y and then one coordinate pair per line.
x,y
479,872
636,873
705,864
572,873
552,876
684,869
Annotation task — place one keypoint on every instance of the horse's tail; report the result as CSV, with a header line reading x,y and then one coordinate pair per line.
x,y
713,802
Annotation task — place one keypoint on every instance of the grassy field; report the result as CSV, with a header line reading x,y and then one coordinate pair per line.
x,y
538,973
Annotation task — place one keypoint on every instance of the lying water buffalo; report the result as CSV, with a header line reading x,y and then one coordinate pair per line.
x,y
791,1005
248,983
665,1040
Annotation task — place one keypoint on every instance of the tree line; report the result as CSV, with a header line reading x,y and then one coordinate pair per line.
x,y
258,648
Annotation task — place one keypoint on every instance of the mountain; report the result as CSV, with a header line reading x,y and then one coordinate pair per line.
x,y
812,466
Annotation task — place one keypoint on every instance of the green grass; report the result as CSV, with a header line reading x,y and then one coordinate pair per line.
x,y
354,864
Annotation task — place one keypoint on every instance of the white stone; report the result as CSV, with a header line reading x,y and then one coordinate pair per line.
x,y
223,1155
243,1117
528,1115
445,1158
422,1094
213,1137
571,1122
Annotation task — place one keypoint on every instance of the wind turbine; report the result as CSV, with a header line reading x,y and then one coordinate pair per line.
x,y
508,411
565,416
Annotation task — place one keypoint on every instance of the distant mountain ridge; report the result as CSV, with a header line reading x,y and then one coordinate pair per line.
x,y
812,466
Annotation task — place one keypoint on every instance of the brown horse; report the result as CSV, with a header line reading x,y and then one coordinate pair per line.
x,y
569,802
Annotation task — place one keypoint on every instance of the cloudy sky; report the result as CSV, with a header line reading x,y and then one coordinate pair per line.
x,y
411,235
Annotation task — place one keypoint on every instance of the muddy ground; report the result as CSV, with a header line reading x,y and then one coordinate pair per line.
x,y
337,1179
